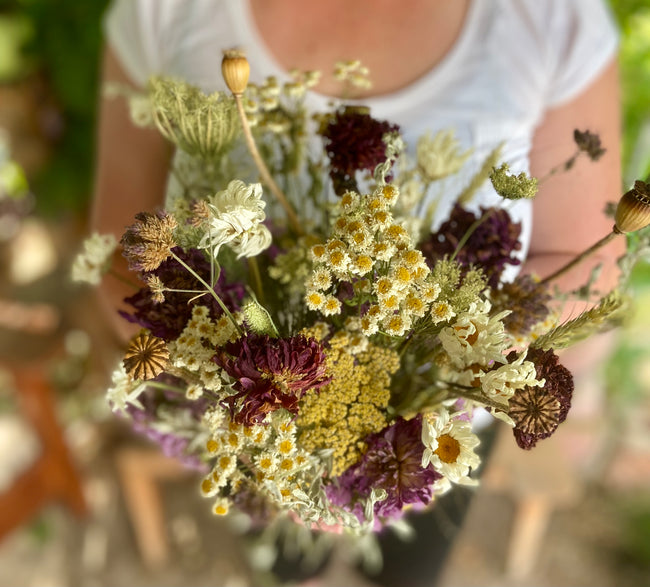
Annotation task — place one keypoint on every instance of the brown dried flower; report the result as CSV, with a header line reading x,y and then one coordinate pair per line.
x,y
146,356
633,210
235,70
589,143
149,241
538,411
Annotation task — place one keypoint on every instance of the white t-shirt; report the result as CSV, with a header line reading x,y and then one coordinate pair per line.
x,y
513,60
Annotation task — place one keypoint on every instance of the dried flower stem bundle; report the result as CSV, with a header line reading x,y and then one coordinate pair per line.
x,y
234,68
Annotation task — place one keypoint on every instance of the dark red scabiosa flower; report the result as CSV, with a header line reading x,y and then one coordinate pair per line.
x,y
491,246
271,373
166,320
392,461
354,142
527,300
538,411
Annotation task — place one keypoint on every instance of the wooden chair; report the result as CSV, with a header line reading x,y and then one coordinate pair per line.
x,y
53,477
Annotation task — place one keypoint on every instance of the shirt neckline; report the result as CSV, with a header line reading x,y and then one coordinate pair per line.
x,y
260,54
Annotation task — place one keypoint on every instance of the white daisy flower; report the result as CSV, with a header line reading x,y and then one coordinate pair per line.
x,y
449,447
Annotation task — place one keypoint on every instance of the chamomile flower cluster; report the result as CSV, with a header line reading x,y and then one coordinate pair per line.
x,y
265,457
194,348
374,254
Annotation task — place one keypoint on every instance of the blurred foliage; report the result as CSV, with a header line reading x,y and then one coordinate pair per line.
x,y
634,549
60,40
633,17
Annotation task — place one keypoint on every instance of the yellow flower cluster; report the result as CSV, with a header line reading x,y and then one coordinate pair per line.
x,y
368,247
188,351
264,455
352,406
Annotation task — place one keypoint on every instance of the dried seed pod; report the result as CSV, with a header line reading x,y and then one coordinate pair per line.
x,y
633,211
235,70
146,356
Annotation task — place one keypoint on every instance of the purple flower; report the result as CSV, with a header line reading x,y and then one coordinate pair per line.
x,y
271,373
167,319
491,246
172,445
392,461
354,142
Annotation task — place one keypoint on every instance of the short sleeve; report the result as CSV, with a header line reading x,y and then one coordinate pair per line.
x,y
584,39
133,29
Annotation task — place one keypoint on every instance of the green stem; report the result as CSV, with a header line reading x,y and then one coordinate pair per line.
x,y
211,291
470,231
164,386
257,278
592,249
479,398
267,178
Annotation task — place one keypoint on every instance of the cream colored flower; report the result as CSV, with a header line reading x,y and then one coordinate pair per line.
x,y
440,156
476,337
94,260
124,391
500,384
236,219
449,447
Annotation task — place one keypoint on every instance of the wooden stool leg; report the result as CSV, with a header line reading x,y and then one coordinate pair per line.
x,y
53,477
530,523
140,470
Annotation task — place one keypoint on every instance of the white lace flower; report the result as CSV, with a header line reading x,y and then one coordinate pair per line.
x,y
94,260
236,219
124,391
449,447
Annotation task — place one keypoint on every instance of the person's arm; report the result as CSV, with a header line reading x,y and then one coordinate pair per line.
x,y
568,211
130,177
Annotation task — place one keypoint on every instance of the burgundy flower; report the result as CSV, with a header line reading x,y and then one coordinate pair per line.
x,y
166,320
354,142
392,461
271,373
491,246
538,411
